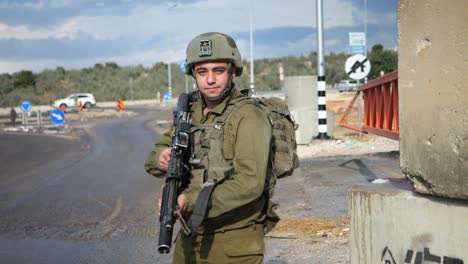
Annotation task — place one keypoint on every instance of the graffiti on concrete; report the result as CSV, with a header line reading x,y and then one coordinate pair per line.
x,y
420,257
387,256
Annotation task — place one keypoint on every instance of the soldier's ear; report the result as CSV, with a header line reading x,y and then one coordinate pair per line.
x,y
233,72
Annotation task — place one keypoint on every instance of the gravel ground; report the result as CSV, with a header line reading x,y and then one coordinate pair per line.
x,y
313,202
350,146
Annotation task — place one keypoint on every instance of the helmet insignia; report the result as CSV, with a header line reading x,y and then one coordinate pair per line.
x,y
205,48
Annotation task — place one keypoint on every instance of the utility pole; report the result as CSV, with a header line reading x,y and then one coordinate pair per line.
x,y
169,78
252,81
171,7
131,88
321,84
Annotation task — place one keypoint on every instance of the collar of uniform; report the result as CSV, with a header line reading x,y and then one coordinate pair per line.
x,y
218,110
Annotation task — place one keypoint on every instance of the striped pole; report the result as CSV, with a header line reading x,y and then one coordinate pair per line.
x,y
321,84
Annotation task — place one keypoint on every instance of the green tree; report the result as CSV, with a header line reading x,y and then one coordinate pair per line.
x,y
60,70
382,61
112,65
6,83
24,79
109,81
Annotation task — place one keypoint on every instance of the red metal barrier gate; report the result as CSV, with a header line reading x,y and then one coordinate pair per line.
x,y
380,107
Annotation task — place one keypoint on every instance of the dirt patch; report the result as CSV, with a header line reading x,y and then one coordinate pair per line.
x,y
339,103
310,227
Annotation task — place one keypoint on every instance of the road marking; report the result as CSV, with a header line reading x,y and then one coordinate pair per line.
x,y
115,212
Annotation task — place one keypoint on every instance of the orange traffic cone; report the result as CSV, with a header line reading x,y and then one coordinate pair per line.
x,y
120,105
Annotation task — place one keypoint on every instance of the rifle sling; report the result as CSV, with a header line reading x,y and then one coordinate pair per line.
x,y
202,203
200,208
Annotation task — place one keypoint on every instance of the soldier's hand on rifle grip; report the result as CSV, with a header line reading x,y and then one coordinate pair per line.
x,y
182,203
164,159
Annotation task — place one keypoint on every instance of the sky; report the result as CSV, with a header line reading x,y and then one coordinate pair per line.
x,y
41,34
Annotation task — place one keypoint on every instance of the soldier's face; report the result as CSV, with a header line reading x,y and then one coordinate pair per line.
x,y
212,77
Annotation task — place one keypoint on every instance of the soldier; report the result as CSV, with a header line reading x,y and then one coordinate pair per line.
x,y
13,116
236,160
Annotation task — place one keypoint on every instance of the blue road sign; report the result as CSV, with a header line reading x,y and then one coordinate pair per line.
x,y
57,116
353,50
26,106
183,63
167,96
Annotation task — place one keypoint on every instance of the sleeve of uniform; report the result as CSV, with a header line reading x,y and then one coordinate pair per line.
x,y
250,133
152,161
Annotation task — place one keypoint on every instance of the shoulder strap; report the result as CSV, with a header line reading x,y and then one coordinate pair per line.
x,y
235,104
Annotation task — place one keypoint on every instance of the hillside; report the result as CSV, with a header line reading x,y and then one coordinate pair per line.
x,y
109,81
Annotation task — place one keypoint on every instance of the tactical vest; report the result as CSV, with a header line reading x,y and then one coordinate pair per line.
x,y
211,164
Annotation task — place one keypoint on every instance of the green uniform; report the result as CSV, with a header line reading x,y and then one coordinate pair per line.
x,y
237,204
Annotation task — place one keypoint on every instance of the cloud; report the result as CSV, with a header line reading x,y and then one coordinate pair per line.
x,y
25,32
163,18
35,4
152,31
11,66
333,42
96,27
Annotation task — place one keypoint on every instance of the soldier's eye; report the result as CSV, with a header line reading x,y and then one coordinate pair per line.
x,y
220,70
201,72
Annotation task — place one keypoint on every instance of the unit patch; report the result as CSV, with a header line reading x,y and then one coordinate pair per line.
x,y
205,48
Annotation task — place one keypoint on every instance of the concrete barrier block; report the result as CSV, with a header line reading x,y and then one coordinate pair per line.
x,y
433,95
393,226
308,125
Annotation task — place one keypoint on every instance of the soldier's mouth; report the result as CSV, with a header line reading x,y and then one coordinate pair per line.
x,y
211,88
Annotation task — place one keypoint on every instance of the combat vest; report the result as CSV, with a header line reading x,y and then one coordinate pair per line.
x,y
211,164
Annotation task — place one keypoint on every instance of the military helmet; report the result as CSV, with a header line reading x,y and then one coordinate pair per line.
x,y
213,46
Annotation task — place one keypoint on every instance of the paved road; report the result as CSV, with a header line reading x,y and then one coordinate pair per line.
x,y
70,201
64,200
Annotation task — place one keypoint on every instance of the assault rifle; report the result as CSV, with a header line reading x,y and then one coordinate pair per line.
x,y
178,172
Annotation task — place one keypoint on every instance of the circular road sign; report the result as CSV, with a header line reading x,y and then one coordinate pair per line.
x,y
167,96
57,116
183,64
357,67
26,106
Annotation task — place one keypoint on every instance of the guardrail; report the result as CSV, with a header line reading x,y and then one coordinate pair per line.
x,y
380,107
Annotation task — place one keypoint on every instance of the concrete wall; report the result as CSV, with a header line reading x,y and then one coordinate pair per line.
x,y
393,226
301,97
433,92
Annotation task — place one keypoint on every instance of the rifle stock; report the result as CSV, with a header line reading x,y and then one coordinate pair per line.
x,y
178,172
